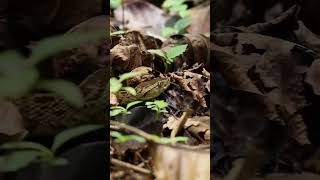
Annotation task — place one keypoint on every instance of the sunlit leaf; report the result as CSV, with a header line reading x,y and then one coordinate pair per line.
x,y
169,31
116,112
129,105
163,140
117,33
182,24
124,138
157,52
115,3
115,85
176,51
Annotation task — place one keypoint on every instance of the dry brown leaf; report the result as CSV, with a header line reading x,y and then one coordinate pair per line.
x,y
11,124
142,16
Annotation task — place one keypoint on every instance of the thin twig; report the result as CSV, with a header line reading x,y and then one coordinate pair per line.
x,y
122,164
181,121
137,131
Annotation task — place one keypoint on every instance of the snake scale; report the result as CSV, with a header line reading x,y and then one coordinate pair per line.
x,y
46,114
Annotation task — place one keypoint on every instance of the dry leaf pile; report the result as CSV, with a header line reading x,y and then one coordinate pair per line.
x,y
265,90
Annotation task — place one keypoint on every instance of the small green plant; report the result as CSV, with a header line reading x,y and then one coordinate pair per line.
x,y
176,6
114,4
178,27
171,53
21,154
116,110
120,138
158,106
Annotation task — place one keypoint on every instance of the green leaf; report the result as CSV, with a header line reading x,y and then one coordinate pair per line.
x,y
130,90
129,75
17,160
58,162
184,13
51,46
157,52
169,31
161,104
124,138
129,105
117,33
19,83
149,103
118,107
11,62
172,3
69,91
182,24
164,111
172,140
179,8
115,3
176,51
115,85
116,112
25,145
68,134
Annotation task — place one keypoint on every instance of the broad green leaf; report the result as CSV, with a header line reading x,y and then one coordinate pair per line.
x,y
69,91
182,24
157,52
50,46
130,90
69,134
129,105
19,83
115,85
116,112
115,3
181,7
169,31
172,3
25,145
184,13
176,51
17,160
